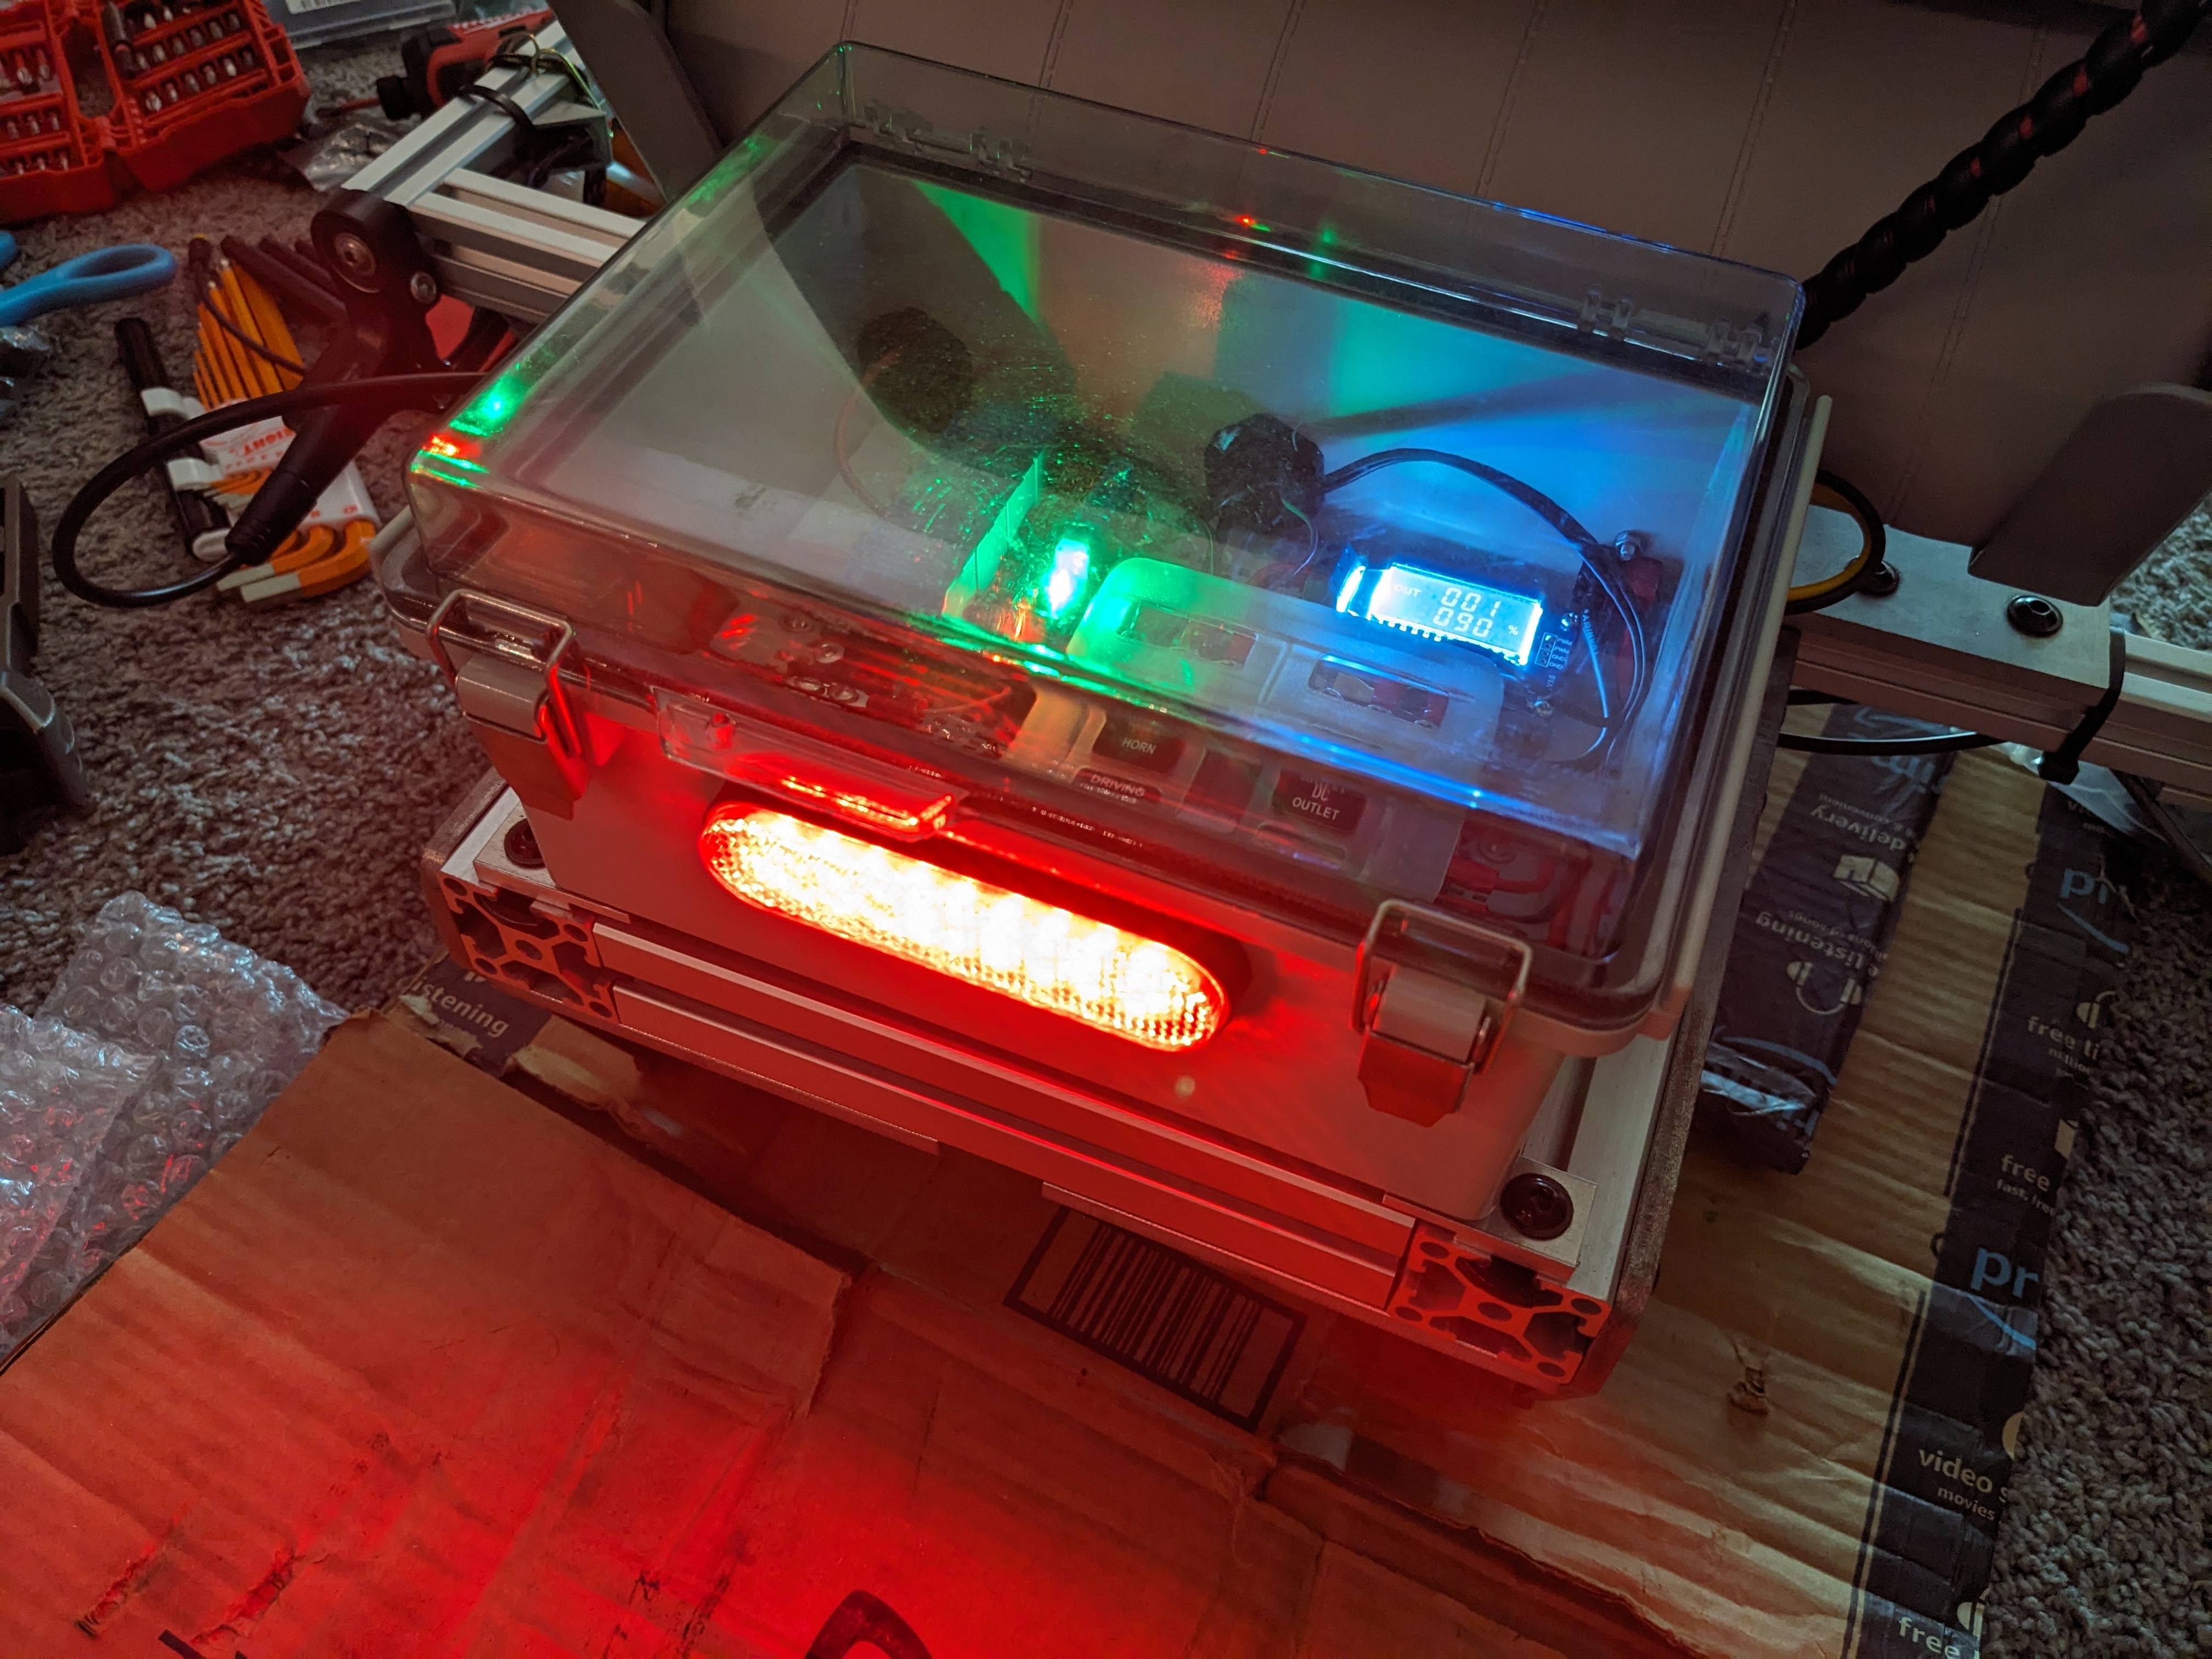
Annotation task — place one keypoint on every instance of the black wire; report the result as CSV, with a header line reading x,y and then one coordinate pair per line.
x,y
1527,494
578,151
400,391
1877,547
1936,742
275,266
564,155
222,321
199,255
1594,552
2146,802
500,101
2047,124
200,259
1800,697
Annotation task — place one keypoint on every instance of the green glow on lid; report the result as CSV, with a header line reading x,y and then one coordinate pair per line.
x,y
1006,238
742,159
983,563
1325,237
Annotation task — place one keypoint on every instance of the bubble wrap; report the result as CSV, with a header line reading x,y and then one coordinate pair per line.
x,y
227,1030
60,1091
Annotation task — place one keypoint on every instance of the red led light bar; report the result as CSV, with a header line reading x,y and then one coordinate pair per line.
x,y
905,816
1051,959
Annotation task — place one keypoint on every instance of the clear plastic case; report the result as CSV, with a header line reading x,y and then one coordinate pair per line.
x,y
1289,530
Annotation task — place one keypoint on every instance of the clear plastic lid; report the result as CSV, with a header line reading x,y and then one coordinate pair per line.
x,y
1370,539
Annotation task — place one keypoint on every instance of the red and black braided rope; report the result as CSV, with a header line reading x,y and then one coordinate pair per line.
x,y
2047,123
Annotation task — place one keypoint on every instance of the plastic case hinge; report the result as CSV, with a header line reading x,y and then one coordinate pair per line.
x,y
509,688
1432,995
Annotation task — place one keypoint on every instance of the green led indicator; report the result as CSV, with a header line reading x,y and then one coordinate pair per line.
x,y
490,408
1070,568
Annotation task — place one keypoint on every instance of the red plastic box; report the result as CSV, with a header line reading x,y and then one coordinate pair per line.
x,y
99,97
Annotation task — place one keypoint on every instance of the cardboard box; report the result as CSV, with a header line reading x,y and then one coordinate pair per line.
x,y
424,1369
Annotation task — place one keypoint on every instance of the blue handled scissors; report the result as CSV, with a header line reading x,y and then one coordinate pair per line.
x,y
107,273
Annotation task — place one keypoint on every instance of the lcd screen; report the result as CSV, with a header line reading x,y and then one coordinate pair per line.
x,y
1449,608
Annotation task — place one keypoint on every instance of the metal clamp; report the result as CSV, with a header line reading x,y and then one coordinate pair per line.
x,y
1430,1023
559,629
513,696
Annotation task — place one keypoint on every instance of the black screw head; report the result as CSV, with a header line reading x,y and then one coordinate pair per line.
x,y
1881,582
2034,616
1537,1206
521,846
355,259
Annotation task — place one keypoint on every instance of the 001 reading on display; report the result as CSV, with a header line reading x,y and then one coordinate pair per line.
x,y
1426,603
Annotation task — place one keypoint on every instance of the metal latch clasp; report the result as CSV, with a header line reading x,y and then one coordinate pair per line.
x,y
510,690
1432,995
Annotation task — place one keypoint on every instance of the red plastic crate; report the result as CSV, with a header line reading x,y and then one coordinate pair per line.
x,y
187,82
52,156
250,89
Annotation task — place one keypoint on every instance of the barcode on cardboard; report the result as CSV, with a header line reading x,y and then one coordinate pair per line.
x,y
1175,1321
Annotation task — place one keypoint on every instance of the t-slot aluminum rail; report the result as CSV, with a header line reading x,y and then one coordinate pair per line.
x,y
519,252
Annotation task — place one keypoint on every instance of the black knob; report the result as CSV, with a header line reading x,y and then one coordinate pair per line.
x,y
2033,616
521,845
1537,1206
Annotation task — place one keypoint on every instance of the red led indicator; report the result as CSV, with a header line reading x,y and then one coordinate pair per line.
x,y
453,447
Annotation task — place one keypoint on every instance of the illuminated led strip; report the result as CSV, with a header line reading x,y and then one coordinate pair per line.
x,y
1037,953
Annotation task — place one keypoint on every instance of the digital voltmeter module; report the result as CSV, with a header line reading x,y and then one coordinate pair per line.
x,y
1444,608
1211,667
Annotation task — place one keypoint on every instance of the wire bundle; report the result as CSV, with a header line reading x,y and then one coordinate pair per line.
x,y
2047,124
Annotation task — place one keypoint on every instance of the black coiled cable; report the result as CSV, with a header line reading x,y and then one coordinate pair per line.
x,y
398,391
2047,124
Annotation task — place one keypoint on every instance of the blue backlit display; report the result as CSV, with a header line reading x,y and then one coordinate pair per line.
x,y
1453,608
